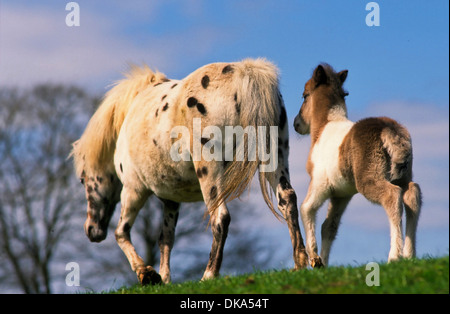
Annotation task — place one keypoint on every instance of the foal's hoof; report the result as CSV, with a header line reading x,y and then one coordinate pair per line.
x,y
147,275
316,262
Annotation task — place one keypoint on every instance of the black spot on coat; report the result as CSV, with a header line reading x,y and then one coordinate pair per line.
x,y
227,69
281,201
237,106
201,108
204,140
202,172
285,183
283,117
205,81
126,228
191,102
213,192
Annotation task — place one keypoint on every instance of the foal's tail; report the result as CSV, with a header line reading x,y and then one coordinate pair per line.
x,y
97,144
256,83
397,142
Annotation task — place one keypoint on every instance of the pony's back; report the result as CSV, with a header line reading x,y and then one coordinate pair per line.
x,y
95,148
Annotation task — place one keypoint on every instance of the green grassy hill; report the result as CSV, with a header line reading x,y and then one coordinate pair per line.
x,y
427,275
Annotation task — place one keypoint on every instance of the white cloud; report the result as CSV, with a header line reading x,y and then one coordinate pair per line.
x,y
37,46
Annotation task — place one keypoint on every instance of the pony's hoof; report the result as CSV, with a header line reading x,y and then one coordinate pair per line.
x,y
147,275
301,265
316,262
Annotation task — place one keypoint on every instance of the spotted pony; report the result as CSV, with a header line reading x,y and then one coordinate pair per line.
x,y
124,155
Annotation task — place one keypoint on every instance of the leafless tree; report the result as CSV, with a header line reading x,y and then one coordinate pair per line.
x,y
37,193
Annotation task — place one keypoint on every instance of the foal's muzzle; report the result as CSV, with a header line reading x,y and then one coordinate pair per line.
x,y
300,125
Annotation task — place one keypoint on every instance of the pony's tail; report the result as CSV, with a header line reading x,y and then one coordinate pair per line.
x,y
256,83
97,144
397,142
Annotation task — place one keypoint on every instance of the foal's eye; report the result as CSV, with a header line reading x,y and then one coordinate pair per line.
x,y
305,96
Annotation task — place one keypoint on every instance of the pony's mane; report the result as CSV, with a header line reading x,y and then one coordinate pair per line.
x,y
95,148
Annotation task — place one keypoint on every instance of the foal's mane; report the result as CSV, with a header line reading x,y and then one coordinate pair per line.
x,y
95,148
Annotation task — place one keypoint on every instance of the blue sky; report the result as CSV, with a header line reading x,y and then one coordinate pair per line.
x,y
405,58
399,69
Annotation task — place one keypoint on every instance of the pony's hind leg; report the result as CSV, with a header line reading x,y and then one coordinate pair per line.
x,y
287,198
287,204
331,224
220,220
412,199
167,237
389,196
207,173
132,202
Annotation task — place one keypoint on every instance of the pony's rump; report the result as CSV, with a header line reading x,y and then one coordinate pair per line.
x,y
396,141
257,94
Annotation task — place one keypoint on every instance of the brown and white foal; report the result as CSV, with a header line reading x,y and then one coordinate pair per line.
x,y
372,156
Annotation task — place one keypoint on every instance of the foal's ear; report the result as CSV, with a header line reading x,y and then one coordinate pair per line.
x,y
320,76
342,76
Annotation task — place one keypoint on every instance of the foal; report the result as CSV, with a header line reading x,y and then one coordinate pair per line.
x,y
372,156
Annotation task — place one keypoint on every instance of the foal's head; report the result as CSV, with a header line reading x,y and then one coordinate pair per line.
x,y
323,95
102,194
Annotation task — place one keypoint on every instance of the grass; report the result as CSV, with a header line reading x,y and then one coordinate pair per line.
x,y
423,276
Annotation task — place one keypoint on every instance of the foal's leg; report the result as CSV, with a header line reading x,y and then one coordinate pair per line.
x,y
313,200
331,224
390,197
167,237
412,199
132,202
